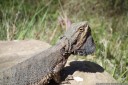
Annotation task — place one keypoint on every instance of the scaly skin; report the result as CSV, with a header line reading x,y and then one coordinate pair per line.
x,y
72,40
41,68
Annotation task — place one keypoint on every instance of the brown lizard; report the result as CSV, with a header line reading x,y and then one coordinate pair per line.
x,y
42,67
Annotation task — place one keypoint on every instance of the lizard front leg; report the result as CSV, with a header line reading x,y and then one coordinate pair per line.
x,y
57,69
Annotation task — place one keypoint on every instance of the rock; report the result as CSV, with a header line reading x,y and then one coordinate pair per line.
x,y
85,73
13,52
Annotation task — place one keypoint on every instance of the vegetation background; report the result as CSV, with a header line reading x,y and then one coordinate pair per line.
x,y
40,19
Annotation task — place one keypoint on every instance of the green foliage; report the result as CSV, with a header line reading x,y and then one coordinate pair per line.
x,y
37,19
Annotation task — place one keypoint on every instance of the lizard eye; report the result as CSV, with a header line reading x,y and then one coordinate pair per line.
x,y
81,29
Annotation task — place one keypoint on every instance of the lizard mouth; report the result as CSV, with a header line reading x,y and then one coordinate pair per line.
x,y
87,48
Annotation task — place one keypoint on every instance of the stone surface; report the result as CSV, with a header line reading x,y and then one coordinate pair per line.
x,y
85,73
14,52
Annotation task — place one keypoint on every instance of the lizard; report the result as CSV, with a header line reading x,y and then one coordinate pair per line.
x,y
42,67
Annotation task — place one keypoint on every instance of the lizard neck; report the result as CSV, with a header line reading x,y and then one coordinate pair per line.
x,y
63,45
54,58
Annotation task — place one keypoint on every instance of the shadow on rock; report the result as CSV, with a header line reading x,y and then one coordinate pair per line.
x,y
82,66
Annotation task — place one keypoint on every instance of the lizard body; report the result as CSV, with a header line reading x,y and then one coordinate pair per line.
x,y
42,67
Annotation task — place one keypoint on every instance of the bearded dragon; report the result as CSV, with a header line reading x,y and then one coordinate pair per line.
x,y
42,67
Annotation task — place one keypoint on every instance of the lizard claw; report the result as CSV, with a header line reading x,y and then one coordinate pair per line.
x,y
70,77
67,80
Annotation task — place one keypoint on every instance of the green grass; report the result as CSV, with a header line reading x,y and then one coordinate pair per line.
x,y
38,19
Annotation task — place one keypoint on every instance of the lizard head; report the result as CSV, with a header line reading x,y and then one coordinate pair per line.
x,y
81,40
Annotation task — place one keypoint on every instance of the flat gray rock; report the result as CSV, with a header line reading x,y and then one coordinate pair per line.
x,y
83,72
14,52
